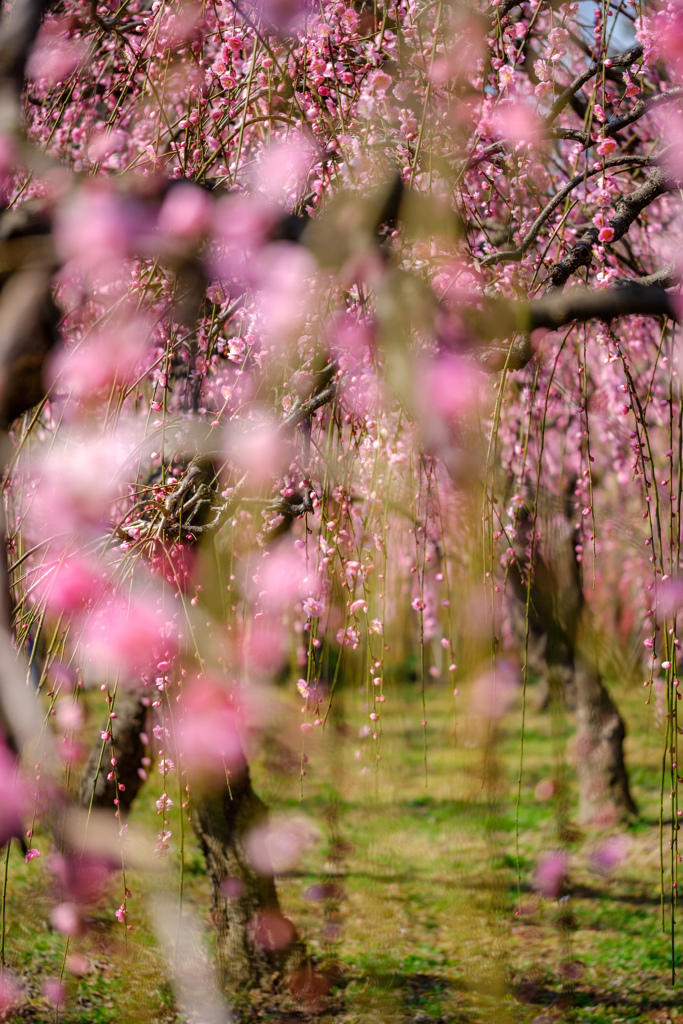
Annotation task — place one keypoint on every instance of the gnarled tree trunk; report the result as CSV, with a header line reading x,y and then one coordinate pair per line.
x,y
255,944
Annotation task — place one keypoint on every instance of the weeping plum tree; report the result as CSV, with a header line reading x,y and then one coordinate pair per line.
x,y
303,310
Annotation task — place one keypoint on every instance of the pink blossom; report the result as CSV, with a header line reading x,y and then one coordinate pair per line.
x,y
550,873
313,608
31,855
209,735
303,688
606,147
606,234
66,919
185,212
164,804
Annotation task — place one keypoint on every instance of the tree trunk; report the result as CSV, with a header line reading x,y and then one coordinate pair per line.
x,y
604,794
256,946
558,610
129,751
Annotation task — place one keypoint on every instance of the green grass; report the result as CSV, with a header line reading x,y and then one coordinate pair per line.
x,y
421,922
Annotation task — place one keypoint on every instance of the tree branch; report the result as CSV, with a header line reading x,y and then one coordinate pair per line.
x,y
514,255
519,319
621,60
628,208
639,109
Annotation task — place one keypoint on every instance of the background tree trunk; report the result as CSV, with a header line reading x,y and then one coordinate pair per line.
x,y
558,610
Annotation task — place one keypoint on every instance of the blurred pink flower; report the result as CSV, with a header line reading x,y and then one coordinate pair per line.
x,y
278,844
550,873
282,578
280,14
284,270
126,638
185,212
95,227
82,877
447,386
518,122
66,919
69,714
271,930
114,354
669,596
209,735
240,227
68,584
493,695
54,991
284,166
258,448
10,993
56,52
610,854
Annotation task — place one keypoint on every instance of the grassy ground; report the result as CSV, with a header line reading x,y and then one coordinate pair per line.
x,y
406,888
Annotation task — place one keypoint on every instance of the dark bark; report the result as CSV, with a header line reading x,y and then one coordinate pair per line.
x,y
129,750
600,764
256,946
628,208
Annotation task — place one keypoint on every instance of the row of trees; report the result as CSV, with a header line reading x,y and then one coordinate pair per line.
x,y
322,327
